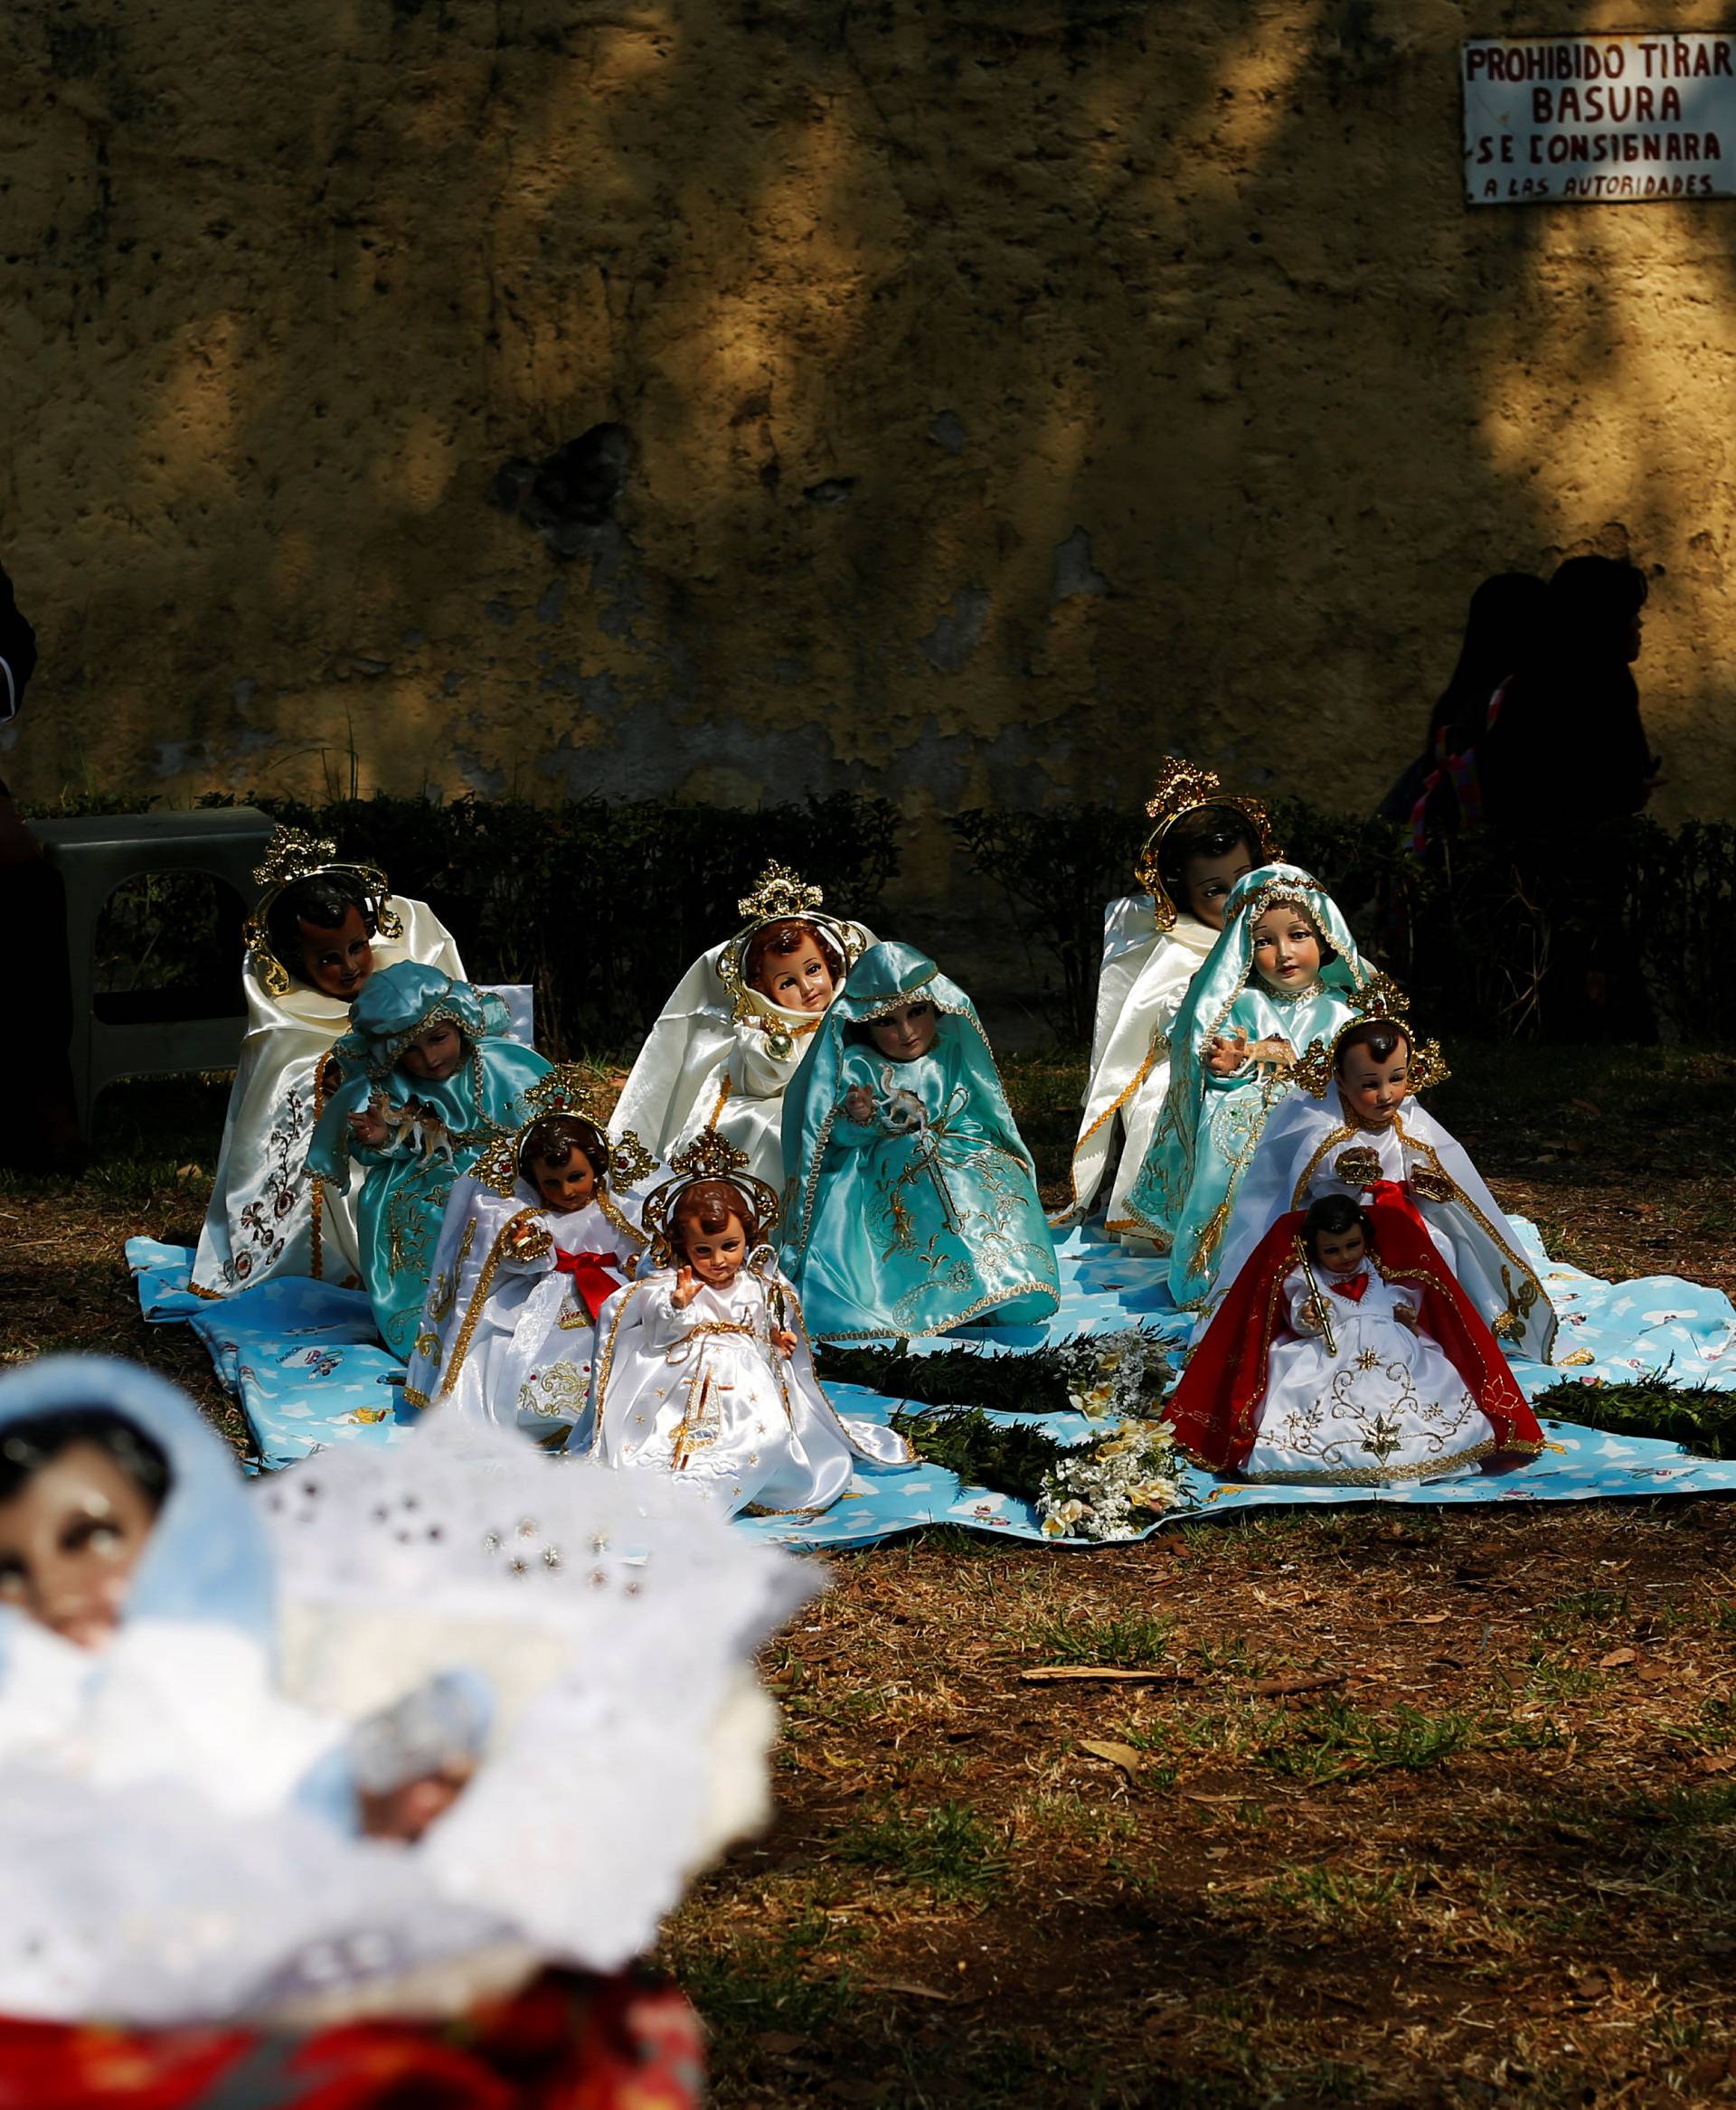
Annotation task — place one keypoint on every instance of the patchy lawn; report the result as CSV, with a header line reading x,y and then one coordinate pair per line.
x,y
1395,1808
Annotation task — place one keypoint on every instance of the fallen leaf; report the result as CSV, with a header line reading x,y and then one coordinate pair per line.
x,y
1655,1674
1067,1673
778,2042
1591,1983
904,1985
1431,1619
1122,1755
1616,1658
1715,1762
1270,1688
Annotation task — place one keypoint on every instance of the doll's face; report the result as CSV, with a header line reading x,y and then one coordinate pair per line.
x,y
1287,948
906,1031
406,1812
564,1188
1206,882
435,1055
715,1257
1374,1090
1343,1252
70,1539
800,980
336,962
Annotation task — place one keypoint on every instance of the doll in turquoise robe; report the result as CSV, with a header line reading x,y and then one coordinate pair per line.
x,y
913,1205
429,1080
1285,973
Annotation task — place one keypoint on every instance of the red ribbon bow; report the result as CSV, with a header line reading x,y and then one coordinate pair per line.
x,y
1352,1287
593,1281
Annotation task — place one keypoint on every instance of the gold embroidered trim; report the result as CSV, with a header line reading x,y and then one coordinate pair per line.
x,y
1378,1475
986,1304
479,1296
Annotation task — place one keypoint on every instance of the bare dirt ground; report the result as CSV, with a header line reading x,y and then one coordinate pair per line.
x,y
1386,1808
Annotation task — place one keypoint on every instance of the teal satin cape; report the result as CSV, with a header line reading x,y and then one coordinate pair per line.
x,y
1211,1126
403,1192
928,1217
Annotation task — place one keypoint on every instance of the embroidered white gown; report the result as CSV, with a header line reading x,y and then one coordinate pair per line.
x,y
1145,976
703,1394
266,1215
506,1339
1383,1404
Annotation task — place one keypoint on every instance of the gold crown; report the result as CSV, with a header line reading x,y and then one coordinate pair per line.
x,y
780,892
291,856
564,1090
1182,787
709,1156
1380,998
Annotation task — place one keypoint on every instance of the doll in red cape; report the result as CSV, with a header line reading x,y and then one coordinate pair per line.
x,y
1345,1355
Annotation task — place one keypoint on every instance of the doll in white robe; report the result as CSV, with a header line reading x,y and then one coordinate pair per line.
x,y
319,930
377,1735
705,1372
737,1025
532,1246
1154,943
1354,1126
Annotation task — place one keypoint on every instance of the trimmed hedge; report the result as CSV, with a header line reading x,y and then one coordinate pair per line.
x,y
601,907
1605,932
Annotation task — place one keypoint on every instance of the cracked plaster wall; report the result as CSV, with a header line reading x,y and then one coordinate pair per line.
x,y
992,396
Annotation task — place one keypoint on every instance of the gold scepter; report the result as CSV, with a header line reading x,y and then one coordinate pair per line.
x,y
1313,1292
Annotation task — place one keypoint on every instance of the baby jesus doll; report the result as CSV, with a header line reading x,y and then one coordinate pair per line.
x,y
321,928
737,1025
1345,1355
532,1247
706,1372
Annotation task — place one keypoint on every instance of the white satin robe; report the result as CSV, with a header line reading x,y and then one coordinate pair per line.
x,y
509,1342
702,1394
1383,1404
701,1068
1312,1147
1144,976
267,1215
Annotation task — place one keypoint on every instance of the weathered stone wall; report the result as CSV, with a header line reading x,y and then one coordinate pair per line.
x,y
967,400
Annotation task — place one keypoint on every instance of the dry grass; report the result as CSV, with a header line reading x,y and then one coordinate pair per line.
x,y
1483,1856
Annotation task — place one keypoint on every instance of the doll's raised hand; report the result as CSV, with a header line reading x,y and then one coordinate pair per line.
x,y
528,1238
783,1341
1311,1318
369,1126
859,1105
1404,1314
686,1290
1224,1057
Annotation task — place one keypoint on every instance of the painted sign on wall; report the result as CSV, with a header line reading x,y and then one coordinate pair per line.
x,y
1597,119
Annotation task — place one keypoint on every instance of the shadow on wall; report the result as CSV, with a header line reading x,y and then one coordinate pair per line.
x,y
755,398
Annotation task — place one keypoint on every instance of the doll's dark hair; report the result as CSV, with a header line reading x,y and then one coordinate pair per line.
x,y
784,939
1208,830
1382,1037
706,1206
36,1440
552,1140
1330,1215
322,898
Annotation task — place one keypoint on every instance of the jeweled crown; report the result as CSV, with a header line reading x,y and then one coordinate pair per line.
x,y
1181,786
293,854
779,892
